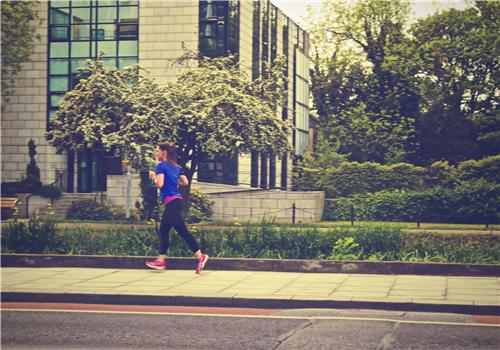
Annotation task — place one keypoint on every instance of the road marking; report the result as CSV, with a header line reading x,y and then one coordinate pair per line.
x,y
333,318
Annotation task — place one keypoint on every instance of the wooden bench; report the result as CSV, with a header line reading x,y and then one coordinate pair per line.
x,y
8,205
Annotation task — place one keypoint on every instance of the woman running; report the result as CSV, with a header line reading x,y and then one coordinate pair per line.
x,y
167,177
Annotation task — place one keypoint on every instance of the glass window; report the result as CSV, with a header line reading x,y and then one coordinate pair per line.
x,y
109,62
52,113
59,49
80,32
125,62
106,14
127,31
80,15
220,31
208,11
59,16
106,3
108,47
75,3
76,64
58,66
59,33
128,48
58,84
80,49
55,99
59,3
105,32
208,30
128,13
128,2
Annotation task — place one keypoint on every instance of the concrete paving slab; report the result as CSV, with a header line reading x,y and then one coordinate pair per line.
x,y
231,288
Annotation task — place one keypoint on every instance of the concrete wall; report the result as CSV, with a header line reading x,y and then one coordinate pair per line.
x,y
255,205
117,191
166,30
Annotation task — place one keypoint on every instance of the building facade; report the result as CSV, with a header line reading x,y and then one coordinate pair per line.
x,y
153,34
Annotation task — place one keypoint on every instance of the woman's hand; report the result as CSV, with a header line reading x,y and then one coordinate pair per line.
x,y
152,175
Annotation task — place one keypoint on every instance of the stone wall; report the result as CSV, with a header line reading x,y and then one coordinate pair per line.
x,y
117,191
254,205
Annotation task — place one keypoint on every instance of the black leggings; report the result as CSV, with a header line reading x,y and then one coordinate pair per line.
x,y
172,217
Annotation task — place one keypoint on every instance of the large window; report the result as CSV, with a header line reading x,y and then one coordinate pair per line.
x,y
219,27
81,29
301,102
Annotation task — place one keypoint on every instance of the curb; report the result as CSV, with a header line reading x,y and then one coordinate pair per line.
x,y
123,299
279,265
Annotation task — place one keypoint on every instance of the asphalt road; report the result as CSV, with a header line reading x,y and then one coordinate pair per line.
x,y
153,328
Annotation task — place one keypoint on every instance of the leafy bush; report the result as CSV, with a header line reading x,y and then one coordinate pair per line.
x,y
49,191
348,179
89,210
379,243
487,168
37,236
200,207
150,206
470,202
351,178
120,214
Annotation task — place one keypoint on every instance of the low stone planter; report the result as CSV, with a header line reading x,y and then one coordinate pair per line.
x,y
279,265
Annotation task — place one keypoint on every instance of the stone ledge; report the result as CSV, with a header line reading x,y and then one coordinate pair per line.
x,y
279,265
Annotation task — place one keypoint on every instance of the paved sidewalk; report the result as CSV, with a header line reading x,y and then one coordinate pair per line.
x,y
253,288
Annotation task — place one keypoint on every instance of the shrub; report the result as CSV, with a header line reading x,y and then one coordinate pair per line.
x,y
120,214
37,236
149,208
49,191
469,202
89,210
200,207
487,168
32,181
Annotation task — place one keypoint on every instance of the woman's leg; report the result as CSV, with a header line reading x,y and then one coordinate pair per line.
x,y
182,230
180,226
165,227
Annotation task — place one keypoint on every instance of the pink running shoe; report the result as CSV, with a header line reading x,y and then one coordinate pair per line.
x,y
156,264
201,262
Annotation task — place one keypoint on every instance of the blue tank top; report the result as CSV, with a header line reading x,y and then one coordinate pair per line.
x,y
171,175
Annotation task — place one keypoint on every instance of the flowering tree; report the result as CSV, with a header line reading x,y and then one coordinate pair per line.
x,y
209,109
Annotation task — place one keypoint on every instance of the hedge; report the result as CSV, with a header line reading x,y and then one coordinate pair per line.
x,y
473,202
352,178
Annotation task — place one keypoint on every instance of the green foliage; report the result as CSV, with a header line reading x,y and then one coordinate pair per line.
x,y
49,191
36,237
32,180
211,108
457,61
89,210
364,94
200,207
470,202
150,206
374,242
487,168
18,37
347,179
387,94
